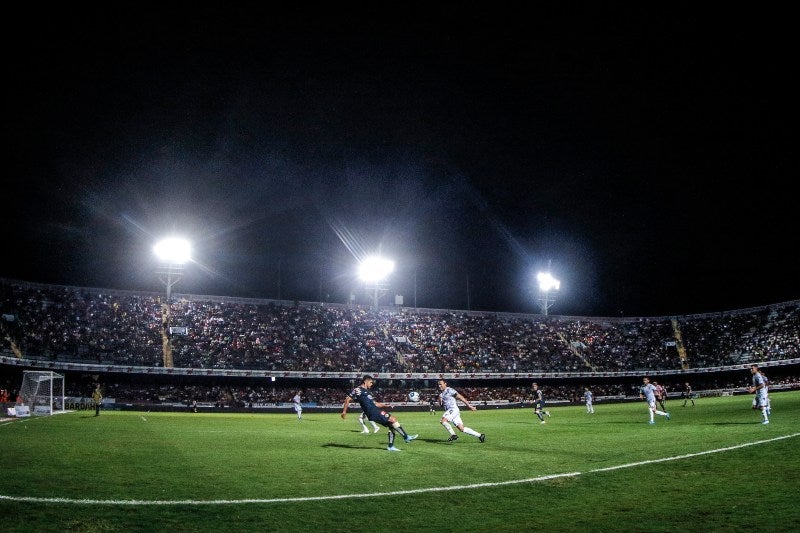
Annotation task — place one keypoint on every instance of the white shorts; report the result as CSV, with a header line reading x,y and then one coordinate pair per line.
x,y
298,408
453,416
652,405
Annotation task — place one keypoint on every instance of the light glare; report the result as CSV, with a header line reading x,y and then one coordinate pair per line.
x,y
547,282
375,269
173,250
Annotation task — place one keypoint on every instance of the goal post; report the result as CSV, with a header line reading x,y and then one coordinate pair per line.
x,y
41,392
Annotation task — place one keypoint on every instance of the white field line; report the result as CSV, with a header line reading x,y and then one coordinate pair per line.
x,y
30,499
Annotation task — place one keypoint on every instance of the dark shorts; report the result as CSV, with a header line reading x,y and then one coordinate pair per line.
x,y
379,416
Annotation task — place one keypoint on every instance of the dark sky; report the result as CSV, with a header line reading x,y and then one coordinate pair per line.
x,y
646,154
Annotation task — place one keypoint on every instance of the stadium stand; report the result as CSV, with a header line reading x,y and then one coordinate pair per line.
x,y
123,335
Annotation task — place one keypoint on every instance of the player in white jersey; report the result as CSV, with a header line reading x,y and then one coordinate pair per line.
x,y
589,397
539,403
648,392
298,406
766,387
661,395
449,397
364,429
761,401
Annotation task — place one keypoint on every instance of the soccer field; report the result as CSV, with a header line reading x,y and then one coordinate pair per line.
x,y
712,467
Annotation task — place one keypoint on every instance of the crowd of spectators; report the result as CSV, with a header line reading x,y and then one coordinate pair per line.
x,y
129,329
244,396
248,396
66,323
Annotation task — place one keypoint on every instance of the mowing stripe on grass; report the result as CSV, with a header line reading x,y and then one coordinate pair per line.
x,y
31,499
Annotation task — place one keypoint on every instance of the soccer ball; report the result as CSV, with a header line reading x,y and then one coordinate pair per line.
x,y
413,396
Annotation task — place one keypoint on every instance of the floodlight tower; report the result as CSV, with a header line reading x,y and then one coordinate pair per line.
x,y
173,253
374,271
547,283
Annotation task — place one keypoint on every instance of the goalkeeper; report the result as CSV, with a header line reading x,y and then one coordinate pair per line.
x,y
97,397
375,411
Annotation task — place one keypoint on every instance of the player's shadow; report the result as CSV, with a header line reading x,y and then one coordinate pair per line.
x,y
349,446
732,423
635,423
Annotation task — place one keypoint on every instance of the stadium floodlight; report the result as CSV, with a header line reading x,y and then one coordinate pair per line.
x,y
374,271
173,250
173,253
547,284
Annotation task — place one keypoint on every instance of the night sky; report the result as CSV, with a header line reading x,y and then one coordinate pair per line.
x,y
647,154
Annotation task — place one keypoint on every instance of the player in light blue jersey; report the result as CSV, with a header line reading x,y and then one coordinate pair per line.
x,y
375,411
449,397
761,401
589,398
648,393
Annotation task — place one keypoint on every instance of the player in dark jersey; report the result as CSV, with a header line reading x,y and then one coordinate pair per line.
x,y
687,394
375,411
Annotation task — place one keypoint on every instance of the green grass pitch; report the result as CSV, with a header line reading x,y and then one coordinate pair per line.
x,y
713,467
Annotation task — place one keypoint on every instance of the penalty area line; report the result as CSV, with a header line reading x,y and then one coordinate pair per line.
x,y
31,499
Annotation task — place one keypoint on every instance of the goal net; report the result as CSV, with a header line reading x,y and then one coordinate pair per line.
x,y
41,393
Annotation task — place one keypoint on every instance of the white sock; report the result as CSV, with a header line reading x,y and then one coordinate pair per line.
x,y
448,427
470,431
